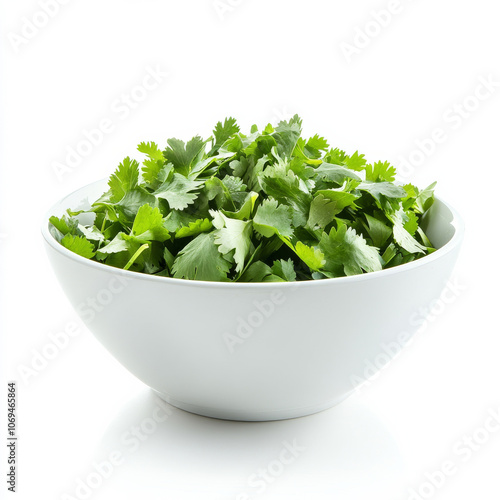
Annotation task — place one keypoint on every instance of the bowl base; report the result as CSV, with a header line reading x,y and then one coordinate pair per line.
x,y
250,416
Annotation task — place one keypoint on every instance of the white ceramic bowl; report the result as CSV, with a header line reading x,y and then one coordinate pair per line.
x,y
253,351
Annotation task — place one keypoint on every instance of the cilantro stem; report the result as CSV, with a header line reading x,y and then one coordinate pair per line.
x,y
135,256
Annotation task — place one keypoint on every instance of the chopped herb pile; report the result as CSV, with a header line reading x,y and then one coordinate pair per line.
x,y
263,207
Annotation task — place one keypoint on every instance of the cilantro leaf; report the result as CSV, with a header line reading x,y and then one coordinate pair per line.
x,y
284,269
201,260
79,245
347,253
377,230
355,161
116,245
386,189
271,219
183,156
425,199
287,134
402,237
148,225
194,228
283,185
64,225
327,205
380,171
336,173
124,179
233,235
222,132
314,258
179,192
153,164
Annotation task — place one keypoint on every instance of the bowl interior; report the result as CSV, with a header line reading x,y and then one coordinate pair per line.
x,y
441,223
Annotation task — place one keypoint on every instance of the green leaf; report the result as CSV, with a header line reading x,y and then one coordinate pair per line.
x,y
124,179
327,205
148,225
233,235
201,260
79,245
336,173
389,254
250,170
411,225
151,149
92,233
272,218
287,134
153,164
228,193
130,204
355,161
222,132
177,219
284,269
116,245
283,185
194,228
179,192
310,151
256,272
380,171
246,210
347,253
425,199
402,237
382,188
237,190
65,225
377,230
314,258
183,156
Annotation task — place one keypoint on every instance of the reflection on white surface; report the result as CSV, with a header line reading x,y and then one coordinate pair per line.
x,y
344,452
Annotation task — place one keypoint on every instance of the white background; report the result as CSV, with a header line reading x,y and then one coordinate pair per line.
x,y
258,61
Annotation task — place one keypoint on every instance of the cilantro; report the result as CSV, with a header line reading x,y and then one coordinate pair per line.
x,y
179,191
271,219
233,234
347,253
269,206
201,260
183,156
79,244
124,179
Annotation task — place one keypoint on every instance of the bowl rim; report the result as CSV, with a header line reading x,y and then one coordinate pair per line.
x,y
456,240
